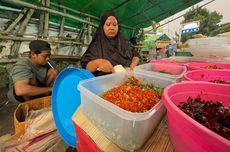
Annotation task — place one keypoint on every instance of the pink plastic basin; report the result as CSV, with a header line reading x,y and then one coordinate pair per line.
x,y
186,134
207,75
205,65
172,62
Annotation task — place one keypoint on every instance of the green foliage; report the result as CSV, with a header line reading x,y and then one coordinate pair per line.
x,y
221,29
208,21
3,77
2,69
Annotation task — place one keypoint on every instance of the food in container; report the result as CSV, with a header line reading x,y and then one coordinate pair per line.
x,y
129,130
187,134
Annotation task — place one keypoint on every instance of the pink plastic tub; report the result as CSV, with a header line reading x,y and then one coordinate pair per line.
x,y
207,75
186,134
207,65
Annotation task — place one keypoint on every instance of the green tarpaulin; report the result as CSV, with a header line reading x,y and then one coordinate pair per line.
x,y
133,13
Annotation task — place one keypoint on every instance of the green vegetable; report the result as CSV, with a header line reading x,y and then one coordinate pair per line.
x,y
153,87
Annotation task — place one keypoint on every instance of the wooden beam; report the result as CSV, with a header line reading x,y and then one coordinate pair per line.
x,y
25,22
62,24
41,21
25,4
15,22
46,22
15,38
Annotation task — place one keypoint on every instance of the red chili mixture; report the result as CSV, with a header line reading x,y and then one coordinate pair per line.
x,y
134,96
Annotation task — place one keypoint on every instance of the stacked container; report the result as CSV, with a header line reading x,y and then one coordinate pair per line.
x,y
207,65
208,75
173,72
187,134
171,62
126,129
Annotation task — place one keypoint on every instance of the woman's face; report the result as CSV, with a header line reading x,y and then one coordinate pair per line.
x,y
111,27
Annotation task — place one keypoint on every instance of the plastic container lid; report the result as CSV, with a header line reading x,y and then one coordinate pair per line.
x,y
65,101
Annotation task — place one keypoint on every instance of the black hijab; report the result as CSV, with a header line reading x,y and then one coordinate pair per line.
x,y
117,50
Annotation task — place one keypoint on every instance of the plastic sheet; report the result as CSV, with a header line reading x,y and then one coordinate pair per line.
x,y
210,47
40,133
38,122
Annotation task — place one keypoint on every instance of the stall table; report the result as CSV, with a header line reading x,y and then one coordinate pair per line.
x,y
89,138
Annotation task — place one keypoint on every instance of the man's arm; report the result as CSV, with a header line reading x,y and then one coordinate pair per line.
x,y
22,88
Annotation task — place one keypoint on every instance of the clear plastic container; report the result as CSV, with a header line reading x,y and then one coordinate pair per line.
x,y
208,75
174,72
126,129
187,134
210,46
171,62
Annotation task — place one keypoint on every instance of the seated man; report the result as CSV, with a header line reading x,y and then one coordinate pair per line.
x,y
32,78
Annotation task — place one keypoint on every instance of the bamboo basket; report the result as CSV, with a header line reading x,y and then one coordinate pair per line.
x,y
22,110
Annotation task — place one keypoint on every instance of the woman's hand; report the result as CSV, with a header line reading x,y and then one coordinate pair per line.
x,y
104,65
134,62
100,65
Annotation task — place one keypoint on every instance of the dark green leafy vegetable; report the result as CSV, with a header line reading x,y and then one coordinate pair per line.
x,y
211,114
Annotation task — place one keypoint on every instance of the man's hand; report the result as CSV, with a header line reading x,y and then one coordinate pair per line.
x,y
51,75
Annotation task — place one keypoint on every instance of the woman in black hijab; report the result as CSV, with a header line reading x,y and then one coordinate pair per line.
x,y
108,48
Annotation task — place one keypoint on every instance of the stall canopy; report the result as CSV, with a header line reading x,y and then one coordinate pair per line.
x,y
132,13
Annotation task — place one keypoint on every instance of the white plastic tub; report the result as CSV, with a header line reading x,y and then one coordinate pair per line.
x,y
174,72
126,129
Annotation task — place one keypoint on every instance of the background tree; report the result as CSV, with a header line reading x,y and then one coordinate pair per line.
x,y
221,29
209,21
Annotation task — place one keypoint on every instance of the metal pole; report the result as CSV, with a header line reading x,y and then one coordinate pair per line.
x,y
179,39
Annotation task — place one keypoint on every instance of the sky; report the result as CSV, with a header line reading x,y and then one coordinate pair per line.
x,y
220,6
